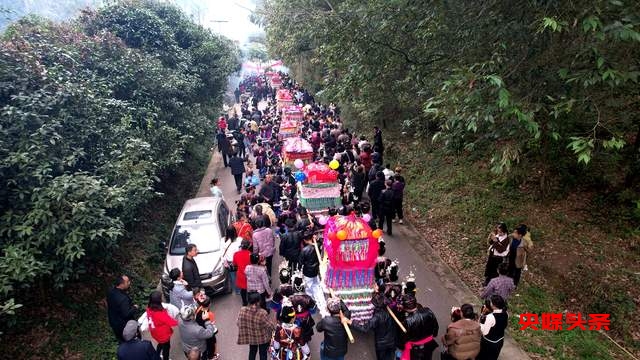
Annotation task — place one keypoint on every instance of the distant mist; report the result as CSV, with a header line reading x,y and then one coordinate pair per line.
x,y
59,10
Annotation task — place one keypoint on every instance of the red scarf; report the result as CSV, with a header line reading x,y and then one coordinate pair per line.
x,y
406,352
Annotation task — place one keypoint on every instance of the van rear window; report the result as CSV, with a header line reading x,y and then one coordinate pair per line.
x,y
197,215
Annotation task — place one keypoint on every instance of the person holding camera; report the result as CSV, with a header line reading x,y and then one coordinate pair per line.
x,y
462,339
498,251
493,323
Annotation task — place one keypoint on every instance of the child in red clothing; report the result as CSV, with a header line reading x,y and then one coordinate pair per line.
x,y
160,324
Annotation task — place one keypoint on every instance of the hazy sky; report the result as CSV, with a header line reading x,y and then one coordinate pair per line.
x,y
235,13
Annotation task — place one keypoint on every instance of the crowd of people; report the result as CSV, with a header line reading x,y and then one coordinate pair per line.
x,y
277,321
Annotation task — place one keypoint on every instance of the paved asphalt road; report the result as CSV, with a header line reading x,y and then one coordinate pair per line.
x,y
435,290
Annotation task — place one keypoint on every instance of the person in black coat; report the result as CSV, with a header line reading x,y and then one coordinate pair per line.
x,y
358,182
375,189
225,147
385,201
120,307
422,329
190,271
236,163
291,244
384,328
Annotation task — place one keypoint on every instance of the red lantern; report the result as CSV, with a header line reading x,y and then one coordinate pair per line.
x,y
377,233
341,235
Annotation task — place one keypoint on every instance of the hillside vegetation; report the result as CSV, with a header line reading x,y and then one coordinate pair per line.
x,y
95,114
516,111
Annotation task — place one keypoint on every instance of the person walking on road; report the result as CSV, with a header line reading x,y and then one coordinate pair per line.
x,y
375,190
120,307
419,341
255,327
264,243
385,203
335,345
384,328
310,265
132,347
236,163
241,260
257,279
398,194
290,244
232,241
160,324
216,191
190,269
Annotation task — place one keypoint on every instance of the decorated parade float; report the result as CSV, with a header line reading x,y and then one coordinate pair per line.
x,y
284,99
351,248
297,148
291,119
318,187
275,80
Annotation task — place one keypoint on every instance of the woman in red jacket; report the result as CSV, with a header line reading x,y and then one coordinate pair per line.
x,y
241,259
160,324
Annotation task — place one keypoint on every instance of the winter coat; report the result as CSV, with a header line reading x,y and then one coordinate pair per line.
x,y
384,328
120,309
290,245
335,336
463,339
179,296
190,272
194,335
264,242
160,325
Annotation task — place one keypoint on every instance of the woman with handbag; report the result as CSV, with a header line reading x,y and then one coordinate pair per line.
x,y
232,241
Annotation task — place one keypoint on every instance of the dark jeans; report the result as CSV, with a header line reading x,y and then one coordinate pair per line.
x,y
261,349
238,180
491,269
515,275
164,349
243,296
269,260
386,354
293,264
397,208
386,216
489,350
375,209
225,159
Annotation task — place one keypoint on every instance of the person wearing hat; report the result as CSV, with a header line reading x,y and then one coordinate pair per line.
x,y
133,348
419,341
304,305
335,344
241,259
288,342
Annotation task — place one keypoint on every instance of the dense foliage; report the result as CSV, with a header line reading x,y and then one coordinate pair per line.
x,y
93,112
549,85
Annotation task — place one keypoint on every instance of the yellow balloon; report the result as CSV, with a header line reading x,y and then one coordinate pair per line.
x,y
334,164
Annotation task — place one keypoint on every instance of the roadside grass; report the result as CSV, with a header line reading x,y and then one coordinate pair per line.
x,y
74,323
462,201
